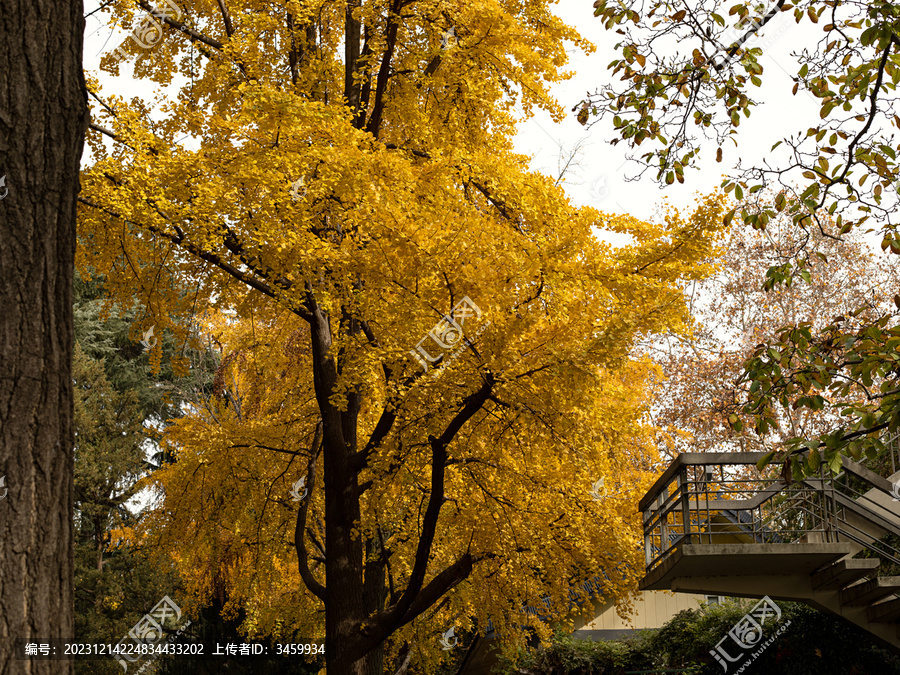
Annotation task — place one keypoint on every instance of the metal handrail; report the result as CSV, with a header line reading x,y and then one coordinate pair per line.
x,y
706,497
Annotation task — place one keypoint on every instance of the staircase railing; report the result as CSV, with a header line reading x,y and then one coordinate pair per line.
x,y
706,498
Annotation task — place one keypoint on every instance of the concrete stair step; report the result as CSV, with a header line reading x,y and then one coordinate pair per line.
x,y
884,612
885,501
844,572
870,591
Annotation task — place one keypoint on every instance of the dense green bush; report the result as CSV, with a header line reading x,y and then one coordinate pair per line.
x,y
812,643
570,655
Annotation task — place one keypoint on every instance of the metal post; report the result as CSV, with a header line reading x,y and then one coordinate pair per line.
x,y
663,519
648,539
893,445
685,504
829,505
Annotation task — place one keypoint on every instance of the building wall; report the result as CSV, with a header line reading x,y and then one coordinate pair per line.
x,y
651,610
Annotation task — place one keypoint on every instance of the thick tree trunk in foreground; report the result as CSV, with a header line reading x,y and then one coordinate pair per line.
x,y
43,118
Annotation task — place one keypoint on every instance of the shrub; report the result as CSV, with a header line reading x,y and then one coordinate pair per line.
x,y
813,644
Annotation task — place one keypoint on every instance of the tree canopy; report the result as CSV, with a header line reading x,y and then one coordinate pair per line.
x,y
734,313
426,353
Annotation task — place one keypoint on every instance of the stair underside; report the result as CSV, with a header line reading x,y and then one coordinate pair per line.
x,y
884,612
843,573
870,591
742,560
820,574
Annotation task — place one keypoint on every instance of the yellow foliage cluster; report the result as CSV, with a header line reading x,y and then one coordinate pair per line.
x,y
305,210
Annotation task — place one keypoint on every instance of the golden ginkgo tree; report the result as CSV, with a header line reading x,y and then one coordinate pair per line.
x,y
425,350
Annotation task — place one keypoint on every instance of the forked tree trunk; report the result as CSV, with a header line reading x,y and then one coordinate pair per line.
x,y
43,119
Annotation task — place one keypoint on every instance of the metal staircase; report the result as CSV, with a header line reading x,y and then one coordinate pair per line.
x,y
714,524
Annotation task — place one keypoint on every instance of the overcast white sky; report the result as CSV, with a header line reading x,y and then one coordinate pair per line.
x,y
599,179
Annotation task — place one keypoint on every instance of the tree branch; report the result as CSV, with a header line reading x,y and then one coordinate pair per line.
x,y
178,25
181,241
352,36
384,72
309,580
226,18
415,599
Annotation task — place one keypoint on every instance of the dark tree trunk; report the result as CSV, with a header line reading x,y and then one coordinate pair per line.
x,y
374,595
344,610
343,595
43,119
98,542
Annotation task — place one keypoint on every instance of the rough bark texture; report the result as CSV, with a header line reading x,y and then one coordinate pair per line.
x,y
43,118
344,609
374,594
